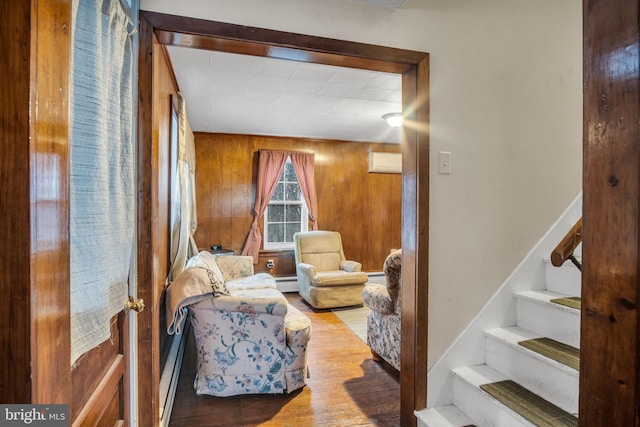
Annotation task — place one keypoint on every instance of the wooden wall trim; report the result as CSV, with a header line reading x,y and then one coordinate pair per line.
x,y
148,343
610,347
49,177
355,55
203,34
415,242
15,246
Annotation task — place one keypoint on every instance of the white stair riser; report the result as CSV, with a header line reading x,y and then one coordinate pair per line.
x,y
481,408
558,385
565,280
444,416
550,321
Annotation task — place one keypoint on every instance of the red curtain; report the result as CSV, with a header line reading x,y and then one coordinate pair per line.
x,y
270,167
303,165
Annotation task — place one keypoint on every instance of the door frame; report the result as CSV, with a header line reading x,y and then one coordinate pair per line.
x,y
414,68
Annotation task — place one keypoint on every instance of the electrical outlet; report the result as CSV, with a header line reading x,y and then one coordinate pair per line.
x,y
444,163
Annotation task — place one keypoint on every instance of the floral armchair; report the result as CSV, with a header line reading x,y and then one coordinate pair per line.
x,y
383,323
249,340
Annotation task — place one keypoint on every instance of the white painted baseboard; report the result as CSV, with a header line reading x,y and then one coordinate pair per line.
x,y
171,373
290,283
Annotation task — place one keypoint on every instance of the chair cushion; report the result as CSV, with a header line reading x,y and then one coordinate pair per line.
x,y
338,278
323,262
256,281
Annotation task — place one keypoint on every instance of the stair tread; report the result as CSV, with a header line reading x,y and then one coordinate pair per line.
x,y
480,375
444,416
545,297
560,352
530,406
552,351
573,302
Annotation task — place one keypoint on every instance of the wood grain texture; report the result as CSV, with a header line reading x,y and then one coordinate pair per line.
x,y
285,263
104,406
202,34
611,247
91,367
15,345
346,387
157,88
50,57
365,208
415,241
154,96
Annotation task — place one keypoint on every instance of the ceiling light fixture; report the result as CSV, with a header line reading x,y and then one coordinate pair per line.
x,y
393,119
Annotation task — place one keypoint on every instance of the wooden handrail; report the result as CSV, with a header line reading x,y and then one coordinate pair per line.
x,y
564,250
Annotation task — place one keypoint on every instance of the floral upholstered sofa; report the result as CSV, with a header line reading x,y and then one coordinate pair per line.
x,y
249,340
383,323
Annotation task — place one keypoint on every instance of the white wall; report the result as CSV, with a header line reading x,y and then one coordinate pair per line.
x,y
506,100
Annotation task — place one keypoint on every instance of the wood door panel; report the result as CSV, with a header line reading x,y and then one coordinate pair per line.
x,y
96,410
91,367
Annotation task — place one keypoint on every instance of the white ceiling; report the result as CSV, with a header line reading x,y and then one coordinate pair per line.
x,y
229,93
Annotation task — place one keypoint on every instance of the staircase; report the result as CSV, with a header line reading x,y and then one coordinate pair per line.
x,y
527,371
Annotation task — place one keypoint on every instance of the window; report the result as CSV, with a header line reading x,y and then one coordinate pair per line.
x,y
286,213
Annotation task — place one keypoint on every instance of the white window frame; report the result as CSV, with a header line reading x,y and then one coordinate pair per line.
x,y
304,217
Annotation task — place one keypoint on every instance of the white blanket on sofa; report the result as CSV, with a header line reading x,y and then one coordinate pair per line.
x,y
191,286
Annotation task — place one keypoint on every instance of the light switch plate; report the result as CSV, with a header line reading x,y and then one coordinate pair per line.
x,y
444,163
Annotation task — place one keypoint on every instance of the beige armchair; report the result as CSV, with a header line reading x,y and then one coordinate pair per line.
x,y
326,279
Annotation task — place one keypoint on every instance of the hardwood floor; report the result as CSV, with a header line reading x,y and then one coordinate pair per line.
x,y
346,387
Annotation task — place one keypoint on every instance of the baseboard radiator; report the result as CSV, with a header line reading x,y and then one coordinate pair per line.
x,y
171,373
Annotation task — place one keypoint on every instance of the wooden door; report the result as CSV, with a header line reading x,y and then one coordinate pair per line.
x,y
35,336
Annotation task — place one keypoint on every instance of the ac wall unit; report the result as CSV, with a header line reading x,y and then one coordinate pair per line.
x,y
385,162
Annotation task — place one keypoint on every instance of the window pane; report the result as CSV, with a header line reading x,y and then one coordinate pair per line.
x,y
292,227
294,213
275,232
289,173
293,191
275,213
278,193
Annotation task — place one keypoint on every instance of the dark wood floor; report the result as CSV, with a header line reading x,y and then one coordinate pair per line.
x,y
346,387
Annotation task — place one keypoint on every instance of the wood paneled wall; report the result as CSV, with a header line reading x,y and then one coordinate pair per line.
x,y
364,207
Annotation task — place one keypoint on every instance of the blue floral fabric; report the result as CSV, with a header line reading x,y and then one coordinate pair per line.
x,y
383,323
257,347
249,341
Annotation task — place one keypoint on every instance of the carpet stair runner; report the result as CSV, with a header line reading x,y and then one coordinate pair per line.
x,y
531,371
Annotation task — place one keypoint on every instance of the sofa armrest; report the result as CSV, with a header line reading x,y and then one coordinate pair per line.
x,y
307,269
253,302
376,297
235,266
350,266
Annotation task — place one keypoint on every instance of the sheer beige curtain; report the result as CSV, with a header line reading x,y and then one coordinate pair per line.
x,y
270,167
184,218
102,179
304,166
